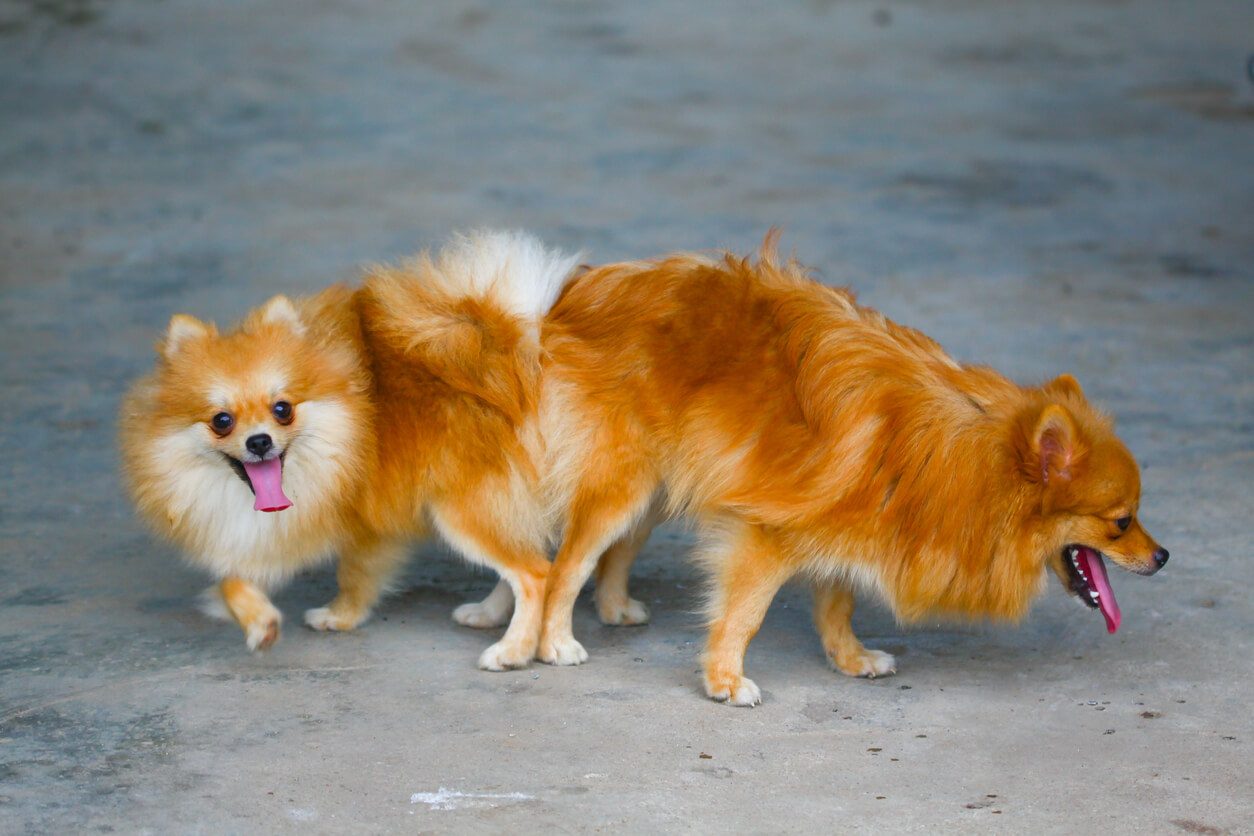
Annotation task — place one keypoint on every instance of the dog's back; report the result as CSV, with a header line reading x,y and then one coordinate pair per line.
x,y
757,388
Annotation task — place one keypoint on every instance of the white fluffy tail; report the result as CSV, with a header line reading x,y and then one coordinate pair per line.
x,y
513,268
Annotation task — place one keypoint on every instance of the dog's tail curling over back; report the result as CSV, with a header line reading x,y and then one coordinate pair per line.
x,y
472,313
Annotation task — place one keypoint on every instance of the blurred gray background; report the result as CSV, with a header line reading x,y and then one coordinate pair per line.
x,y
1045,187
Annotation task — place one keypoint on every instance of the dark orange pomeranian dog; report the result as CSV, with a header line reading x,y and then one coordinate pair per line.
x,y
808,435
351,423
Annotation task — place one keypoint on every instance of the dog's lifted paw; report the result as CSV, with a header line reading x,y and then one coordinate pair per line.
x,y
567,652
481,614
733,690
866,663
261,633
325,618
503,657
628,614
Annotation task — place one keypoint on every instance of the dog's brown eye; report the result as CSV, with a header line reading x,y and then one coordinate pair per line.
x,y
1123,523
222,423
283,412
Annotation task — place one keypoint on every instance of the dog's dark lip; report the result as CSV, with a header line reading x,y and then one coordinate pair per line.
x,y
1078,585
1086,570
238,467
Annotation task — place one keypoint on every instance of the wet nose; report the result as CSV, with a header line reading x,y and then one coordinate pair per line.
x,y
1160,558
260,444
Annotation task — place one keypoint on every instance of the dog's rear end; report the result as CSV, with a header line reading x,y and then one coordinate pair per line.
x,y
454,345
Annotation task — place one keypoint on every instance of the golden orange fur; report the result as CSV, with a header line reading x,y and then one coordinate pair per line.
x,y
805,434
412,406
808,435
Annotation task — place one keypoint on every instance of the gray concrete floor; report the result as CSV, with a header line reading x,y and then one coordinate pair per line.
x,y
1047,187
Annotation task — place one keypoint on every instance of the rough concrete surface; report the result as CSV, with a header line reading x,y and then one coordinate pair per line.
x,y
1048,187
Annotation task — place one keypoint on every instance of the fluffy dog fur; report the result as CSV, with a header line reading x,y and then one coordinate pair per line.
x,y
412,406
805,434
810,436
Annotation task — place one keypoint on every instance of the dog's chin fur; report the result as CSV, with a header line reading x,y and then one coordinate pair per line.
x,y
811,436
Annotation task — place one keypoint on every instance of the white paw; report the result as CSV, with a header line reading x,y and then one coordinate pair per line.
x,y
502,657
633,613
737,691
261,634
562,652
481,614
323,619
869,663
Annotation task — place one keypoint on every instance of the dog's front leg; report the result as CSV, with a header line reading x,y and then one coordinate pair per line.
x,y
364,572
252,611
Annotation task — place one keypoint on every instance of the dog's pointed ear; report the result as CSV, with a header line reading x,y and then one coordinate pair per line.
x,y
1064,385
281,311
182,329
1055,443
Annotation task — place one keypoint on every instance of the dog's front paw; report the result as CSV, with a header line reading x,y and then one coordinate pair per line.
x,y
481,614
623,613
504,656
733,690
562,652
867,663
327,618
262,632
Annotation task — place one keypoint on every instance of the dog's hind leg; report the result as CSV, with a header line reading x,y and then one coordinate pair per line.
x,y
748,570
606,509
469,527
492,611
833,610
364,572
614,604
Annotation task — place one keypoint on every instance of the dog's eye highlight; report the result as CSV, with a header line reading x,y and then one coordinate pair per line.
x,y
283,412
222,423
1123,523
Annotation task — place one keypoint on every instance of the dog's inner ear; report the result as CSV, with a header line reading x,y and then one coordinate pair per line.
x,y
1054,443
182,329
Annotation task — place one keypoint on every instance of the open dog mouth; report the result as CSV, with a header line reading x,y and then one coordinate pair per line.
x,y
1089,584
264,479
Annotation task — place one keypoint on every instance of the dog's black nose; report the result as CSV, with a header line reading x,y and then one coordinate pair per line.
x,y
1160,558
260,444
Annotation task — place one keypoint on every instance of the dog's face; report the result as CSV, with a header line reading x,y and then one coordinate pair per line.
x,y
250,402
1090,494
252,421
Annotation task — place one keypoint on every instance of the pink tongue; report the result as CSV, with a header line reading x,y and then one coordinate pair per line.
x,y
1095,568
267,479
